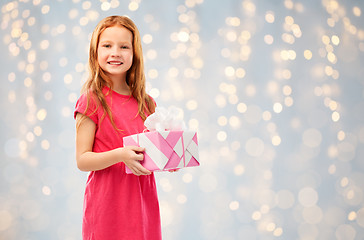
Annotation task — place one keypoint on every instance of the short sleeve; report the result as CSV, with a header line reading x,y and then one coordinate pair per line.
x,y
91,110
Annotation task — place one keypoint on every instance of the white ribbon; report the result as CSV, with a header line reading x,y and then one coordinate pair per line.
x,y
165,119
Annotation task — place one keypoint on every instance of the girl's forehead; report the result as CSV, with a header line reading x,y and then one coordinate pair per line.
x,y
116,28
116,32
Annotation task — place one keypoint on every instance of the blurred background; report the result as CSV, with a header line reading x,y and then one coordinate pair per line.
x,y
274,88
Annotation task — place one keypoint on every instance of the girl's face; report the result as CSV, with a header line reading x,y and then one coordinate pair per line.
x,y
115,52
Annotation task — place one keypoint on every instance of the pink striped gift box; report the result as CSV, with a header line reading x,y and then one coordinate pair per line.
x,y
166,150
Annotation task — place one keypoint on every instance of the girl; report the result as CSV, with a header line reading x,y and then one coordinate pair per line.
x,y
114,104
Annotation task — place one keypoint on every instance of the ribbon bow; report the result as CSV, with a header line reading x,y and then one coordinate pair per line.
x,y
165,119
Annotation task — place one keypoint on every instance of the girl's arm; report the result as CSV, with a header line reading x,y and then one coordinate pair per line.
x,y
91,161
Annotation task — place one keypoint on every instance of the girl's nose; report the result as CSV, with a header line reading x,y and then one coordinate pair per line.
x,y
115,52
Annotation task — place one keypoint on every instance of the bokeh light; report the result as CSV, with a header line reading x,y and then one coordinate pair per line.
x,y
275,91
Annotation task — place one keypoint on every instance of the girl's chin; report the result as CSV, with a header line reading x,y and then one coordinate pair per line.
x,y
112,74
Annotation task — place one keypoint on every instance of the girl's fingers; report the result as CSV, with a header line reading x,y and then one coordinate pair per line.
x,y
135,155
144,171
137,152
139,156
138,170
137,149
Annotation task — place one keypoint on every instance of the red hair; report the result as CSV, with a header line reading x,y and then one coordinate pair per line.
x,y
135,77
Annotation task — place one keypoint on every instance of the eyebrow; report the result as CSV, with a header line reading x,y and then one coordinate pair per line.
x,y
109,41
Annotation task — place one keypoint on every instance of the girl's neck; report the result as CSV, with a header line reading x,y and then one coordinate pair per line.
x,y
120,86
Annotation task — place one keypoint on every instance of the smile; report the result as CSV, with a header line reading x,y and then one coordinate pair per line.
x,y
115,63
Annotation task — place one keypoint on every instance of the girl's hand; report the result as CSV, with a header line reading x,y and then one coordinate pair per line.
x,y
131,156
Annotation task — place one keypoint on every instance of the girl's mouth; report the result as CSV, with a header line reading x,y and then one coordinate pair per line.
x,y
115,63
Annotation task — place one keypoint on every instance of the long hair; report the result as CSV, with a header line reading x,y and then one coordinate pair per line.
x,y
135,77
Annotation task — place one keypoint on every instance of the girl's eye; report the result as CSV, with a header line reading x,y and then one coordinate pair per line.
x,y
107,45
124,47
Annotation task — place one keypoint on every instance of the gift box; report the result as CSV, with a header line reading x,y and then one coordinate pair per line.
x,y
165,149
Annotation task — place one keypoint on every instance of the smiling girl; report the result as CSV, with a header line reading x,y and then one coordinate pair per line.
x,y
113,105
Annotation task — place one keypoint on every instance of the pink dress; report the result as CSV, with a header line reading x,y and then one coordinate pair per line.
x,y
118,205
